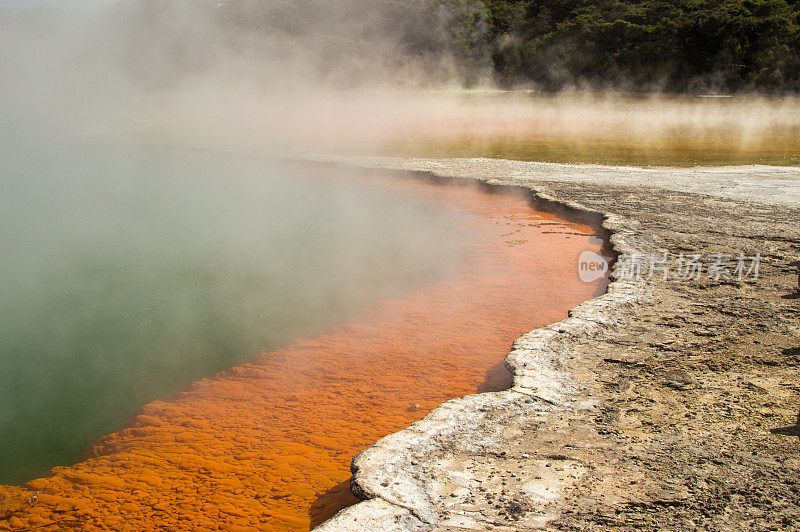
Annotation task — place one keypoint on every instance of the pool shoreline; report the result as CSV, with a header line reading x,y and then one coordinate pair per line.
x,y
589,444
218,433
538,383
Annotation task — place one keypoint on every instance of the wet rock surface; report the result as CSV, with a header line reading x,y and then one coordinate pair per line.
x,y
666,403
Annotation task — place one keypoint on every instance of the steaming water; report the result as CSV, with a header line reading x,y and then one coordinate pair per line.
x,y
267,443
127,274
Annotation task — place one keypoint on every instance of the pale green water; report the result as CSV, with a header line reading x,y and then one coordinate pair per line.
x,y
126,274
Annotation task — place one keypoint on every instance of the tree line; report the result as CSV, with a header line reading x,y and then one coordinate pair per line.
x,y
671,45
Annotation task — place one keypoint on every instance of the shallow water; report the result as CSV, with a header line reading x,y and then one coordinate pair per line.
x,y
127,274
613,129
268,443
605,128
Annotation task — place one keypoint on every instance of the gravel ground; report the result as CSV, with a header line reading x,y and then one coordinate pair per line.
x,y
664,404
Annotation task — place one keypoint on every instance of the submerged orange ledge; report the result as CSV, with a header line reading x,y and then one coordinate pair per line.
x,y
267,445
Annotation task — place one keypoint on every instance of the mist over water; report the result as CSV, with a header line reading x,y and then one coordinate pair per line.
x,y
129,273
132,267
355,76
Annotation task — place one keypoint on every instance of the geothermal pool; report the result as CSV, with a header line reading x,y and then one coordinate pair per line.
x,y
127,274
240,329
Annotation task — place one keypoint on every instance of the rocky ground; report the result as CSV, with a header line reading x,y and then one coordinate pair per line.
x,y
664,404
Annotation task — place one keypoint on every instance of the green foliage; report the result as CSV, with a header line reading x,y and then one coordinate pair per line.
x,y
674,45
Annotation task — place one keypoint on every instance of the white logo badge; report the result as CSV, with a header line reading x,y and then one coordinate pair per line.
x,y
591,266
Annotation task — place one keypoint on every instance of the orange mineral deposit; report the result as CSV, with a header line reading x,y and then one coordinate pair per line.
x,y
267,445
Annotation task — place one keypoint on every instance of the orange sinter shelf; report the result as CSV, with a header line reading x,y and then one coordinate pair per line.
x,y
267,445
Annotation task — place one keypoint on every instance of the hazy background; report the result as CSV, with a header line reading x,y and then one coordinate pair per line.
x,y
414,77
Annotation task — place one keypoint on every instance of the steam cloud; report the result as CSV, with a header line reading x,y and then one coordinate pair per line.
x,y
247,76
319,75
130,271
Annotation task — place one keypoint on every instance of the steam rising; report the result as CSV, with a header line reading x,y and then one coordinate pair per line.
x,y
130,273
127,252
345,76
130,270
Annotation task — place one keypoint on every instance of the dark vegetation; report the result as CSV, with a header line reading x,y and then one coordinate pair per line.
x,y
674,45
